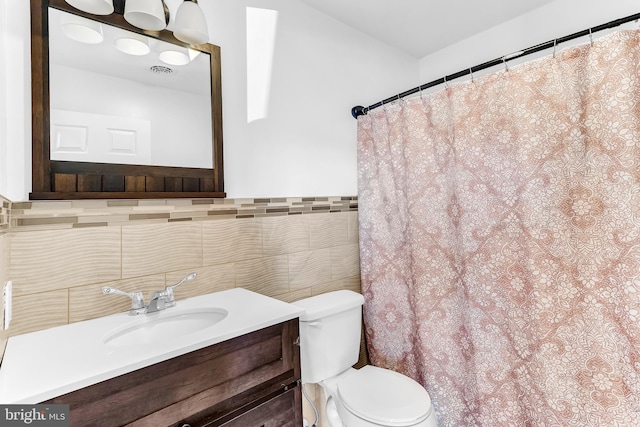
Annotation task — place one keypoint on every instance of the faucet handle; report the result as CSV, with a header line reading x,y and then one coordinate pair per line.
x,y
137,299
170,302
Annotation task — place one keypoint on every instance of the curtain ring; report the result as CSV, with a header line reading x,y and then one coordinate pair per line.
x,y
471,72
504,60
591,36
555,44
420,90
446,84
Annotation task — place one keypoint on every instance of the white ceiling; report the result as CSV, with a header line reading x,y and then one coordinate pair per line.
x,y
421,27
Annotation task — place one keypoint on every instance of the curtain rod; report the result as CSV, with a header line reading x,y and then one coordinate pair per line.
x,y
360,110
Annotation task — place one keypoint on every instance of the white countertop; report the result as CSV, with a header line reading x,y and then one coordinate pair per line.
x,y
42,365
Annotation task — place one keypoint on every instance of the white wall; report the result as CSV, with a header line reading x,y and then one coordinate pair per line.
x,y
553,20
15,134
3,104
306,144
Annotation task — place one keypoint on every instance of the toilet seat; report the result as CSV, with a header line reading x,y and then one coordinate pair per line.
x,y
384,397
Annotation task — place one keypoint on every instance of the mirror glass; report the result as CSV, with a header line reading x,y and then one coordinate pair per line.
x,y
125,98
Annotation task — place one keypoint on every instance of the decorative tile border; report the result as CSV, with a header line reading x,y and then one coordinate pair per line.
x,y
5,214
45,215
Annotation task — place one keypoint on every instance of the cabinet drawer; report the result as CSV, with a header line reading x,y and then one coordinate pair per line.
x,y
204,384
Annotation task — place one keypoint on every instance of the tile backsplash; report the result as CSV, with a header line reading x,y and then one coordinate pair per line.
x,y
5,212
62,253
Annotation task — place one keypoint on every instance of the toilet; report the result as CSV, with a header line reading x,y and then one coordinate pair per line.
x,y
367,397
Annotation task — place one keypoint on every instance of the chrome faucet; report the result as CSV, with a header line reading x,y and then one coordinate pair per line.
x,y
160,300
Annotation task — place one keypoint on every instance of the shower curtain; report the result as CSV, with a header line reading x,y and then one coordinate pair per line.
x,y
500,240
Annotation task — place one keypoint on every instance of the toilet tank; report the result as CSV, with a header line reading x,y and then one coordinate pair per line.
x,y
329,334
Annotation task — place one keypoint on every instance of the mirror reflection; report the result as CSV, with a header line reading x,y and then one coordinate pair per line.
x,y
121,97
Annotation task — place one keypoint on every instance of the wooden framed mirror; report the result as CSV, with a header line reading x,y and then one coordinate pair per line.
x,y
67,178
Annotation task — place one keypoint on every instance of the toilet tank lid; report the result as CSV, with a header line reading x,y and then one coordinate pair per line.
x,y
328,304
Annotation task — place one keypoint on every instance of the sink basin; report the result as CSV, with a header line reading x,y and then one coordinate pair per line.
x,y
164,325
42,365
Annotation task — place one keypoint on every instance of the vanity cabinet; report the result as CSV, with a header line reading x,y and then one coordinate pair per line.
x,y
251,380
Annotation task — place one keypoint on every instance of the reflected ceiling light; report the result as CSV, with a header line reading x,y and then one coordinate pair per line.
x,y
174,57
151,15
132,45
190,25
193,54
95,7
82,30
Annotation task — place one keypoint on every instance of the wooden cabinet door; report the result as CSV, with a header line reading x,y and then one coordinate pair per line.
x,y
205,385
281,411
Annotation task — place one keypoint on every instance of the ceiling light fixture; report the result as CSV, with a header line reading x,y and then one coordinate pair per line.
x,y
174,57
133,45
193,54
150,15
82,30
153,15
95,7
191,26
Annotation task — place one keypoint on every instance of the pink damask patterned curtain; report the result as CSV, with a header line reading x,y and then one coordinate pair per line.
x,y
500,241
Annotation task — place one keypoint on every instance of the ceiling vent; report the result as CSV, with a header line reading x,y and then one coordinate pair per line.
x,y
160,69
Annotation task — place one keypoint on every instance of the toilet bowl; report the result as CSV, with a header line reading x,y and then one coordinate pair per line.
x,y
372,396
365,397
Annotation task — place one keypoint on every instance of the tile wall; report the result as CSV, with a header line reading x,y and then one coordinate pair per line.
x,y
5,209
64,252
